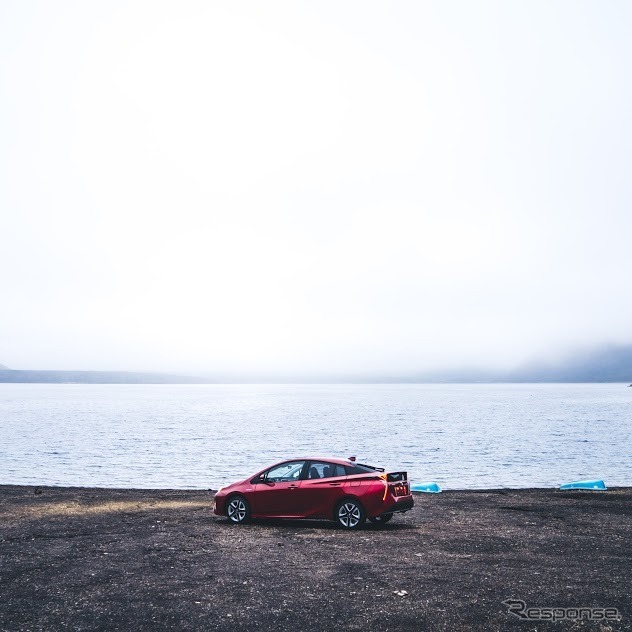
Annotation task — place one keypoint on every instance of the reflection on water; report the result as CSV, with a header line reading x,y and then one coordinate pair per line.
x,y
201,436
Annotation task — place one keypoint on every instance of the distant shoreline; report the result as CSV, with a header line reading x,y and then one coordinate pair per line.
x,y
129,377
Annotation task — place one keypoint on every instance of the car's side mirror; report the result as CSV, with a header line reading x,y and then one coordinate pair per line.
x,y
263,480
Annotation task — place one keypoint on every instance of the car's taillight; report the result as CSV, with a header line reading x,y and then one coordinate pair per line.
x,y
400,489
383,477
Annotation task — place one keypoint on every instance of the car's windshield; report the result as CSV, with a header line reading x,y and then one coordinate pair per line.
x,y
285,472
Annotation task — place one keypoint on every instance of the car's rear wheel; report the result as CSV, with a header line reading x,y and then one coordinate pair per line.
x,y
383,519
350,514
238,510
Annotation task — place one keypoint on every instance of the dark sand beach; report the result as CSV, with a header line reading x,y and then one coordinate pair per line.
x,y
86,559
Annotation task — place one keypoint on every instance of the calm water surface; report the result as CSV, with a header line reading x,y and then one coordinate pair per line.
x,y
201,436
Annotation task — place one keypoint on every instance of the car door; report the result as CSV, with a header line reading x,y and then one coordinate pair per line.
x,y
276,491
322,487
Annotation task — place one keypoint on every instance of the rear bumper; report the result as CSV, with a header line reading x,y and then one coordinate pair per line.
x,y
403,503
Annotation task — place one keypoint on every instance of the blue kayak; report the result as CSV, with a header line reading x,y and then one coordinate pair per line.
x,y
428,488
592,485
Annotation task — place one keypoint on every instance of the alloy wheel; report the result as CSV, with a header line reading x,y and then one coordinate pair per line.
x,y
237,510
349,515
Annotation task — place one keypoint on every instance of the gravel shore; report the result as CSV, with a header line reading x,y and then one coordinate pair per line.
x,y
89,559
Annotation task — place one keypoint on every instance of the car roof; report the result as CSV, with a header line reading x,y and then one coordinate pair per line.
x,y
328,459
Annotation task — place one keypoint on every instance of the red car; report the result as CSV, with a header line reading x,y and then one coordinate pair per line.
x,y
314,487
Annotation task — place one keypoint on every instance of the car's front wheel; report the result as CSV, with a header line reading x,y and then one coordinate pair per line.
x,y
238,510
350,514
383,519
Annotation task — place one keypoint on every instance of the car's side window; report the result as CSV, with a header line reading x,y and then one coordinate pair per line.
x,y
324,470
290,471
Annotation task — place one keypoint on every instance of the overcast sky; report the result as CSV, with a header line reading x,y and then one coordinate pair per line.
x,y
323,186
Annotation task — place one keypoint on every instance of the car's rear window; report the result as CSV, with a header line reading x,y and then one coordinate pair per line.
x,y
358,469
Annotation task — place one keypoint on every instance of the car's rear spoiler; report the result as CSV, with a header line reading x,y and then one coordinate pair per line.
x,y
393,477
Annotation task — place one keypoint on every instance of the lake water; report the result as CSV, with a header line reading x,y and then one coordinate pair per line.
x,y
470,436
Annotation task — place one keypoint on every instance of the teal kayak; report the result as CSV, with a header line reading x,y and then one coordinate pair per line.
x,y
592,485
428,488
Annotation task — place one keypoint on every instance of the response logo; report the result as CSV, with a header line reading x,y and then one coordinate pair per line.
x,y
519,609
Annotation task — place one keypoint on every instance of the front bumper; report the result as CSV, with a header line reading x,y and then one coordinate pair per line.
x,y
218,505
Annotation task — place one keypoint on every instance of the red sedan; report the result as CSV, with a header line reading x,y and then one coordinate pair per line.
x,y
314,487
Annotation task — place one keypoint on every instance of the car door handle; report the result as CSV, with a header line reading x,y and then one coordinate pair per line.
x,y
335,484
293,487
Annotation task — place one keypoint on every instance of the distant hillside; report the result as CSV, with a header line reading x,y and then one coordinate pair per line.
x,y
4,368
608,364
611,364
96,377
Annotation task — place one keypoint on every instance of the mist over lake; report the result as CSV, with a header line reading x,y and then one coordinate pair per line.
x,y
469,436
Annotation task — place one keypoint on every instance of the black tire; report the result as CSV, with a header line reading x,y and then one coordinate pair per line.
x,y
383,519
237,510
350,514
